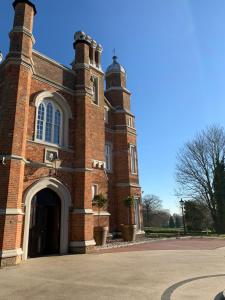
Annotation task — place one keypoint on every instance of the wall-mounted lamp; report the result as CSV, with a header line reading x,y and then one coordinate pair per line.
x,y
56,163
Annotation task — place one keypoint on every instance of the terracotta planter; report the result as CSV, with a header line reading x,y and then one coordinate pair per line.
x,y
100,235
129,232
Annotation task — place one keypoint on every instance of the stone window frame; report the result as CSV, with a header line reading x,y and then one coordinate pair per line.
x,y
60,102
130,122
133,160
106,114
95,82
45,102
94,192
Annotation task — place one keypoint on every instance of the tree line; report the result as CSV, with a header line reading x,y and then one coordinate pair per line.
x,y
200,174
200,177
155,216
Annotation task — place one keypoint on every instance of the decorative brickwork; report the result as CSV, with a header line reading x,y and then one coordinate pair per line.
x,y
26,74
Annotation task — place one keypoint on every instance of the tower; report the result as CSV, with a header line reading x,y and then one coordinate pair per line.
x,y
126,181
90,139
16,75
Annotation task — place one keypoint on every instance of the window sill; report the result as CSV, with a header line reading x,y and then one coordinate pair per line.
x,y
39,142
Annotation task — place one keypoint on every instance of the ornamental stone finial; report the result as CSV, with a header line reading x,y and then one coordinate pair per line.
x,y
99,48
93,44
82,36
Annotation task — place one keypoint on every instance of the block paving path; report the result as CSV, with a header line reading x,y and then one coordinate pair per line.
x,y
170,244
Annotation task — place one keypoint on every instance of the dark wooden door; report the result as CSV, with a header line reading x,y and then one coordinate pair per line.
x,y
44,234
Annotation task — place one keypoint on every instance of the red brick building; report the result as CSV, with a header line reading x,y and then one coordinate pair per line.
x,y
63,139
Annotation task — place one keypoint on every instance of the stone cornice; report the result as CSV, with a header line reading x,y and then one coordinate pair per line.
x,y
36,164
124,111
102,213
122,131
118,88
78,66
24,30
127,184
97,69
82,211
11,211
18,61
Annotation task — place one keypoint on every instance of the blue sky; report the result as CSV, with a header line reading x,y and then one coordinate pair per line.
x,y
174,54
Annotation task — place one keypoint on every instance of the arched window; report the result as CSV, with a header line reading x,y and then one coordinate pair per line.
x,y
49,123
52,118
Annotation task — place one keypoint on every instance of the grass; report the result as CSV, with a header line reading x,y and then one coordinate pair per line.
x,y
161,232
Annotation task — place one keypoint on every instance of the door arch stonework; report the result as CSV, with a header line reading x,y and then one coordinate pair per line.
x,y
66,203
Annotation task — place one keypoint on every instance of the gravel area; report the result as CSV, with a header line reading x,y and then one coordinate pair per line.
x,y
119,242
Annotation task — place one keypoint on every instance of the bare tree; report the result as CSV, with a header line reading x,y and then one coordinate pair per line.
x,y
196,166
151,203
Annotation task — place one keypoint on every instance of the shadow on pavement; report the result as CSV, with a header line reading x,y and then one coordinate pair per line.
x,y
169,291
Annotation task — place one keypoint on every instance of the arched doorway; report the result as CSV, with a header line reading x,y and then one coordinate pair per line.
x,y
44,229
65,202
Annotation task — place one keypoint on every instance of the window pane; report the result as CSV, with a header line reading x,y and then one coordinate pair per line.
x,y
48,129
108,157
40,121
57,127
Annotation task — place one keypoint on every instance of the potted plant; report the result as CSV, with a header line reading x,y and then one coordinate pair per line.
x,y
100,232
129,230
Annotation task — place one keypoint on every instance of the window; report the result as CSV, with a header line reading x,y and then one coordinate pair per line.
x,y
49,120
133,158
95,90
53,113
94,190
108,157
106,115
130,123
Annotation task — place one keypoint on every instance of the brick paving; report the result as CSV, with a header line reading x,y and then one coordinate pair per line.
x,y
179,244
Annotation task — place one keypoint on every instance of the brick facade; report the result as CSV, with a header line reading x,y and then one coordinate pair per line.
x,y
26,78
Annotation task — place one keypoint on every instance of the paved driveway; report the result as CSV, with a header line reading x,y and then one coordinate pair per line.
x,y
156,274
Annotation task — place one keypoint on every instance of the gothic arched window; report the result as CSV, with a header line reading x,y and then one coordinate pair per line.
x,y
53,113
49,122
